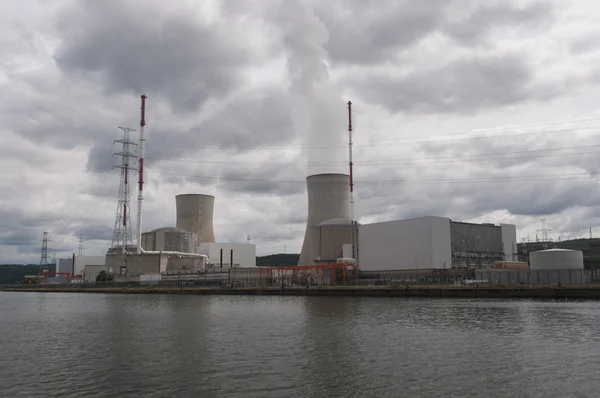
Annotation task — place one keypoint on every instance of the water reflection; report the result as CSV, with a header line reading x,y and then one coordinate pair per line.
x,y
123,345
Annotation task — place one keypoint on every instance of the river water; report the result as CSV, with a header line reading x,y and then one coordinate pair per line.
x,y
93,345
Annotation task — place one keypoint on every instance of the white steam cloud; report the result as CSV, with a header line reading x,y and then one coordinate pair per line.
x,y
320,113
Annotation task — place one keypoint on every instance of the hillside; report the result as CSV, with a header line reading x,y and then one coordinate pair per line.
x,y
275,260
589,247
14,273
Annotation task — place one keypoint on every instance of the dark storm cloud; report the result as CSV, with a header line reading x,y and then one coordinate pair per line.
x,y
139,49
462,86
368,32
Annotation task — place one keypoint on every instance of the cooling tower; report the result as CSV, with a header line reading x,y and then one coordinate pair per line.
x,y
328,225
195,215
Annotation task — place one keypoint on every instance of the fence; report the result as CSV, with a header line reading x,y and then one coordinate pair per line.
x,y
539,277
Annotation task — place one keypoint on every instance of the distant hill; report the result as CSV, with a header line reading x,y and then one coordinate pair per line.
x,y
11,274
274,260
589,247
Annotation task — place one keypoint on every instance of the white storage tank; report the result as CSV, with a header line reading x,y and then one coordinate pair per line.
x,y
556,259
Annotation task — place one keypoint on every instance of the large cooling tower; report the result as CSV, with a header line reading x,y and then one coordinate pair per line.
x,y
328,226
195,215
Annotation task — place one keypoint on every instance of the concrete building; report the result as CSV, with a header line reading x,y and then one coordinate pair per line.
x,y
432,243
329,224
137,264
556,259
418,243
91,272
244,254
65,265
169,239
195,215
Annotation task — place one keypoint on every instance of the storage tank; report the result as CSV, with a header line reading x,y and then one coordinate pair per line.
x,y
195,215
329,224
167,239
556,259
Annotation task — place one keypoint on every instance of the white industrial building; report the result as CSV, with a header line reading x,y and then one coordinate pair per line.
x,y
76,265
433,243
418,243
229,255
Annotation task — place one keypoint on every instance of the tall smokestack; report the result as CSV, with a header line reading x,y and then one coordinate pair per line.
x,y
328,226
141,174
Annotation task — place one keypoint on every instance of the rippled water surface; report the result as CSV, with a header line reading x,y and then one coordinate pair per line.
x,y
88,345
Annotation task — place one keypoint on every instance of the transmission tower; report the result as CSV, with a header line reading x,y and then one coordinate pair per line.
x,y
44,259
80,245
122,234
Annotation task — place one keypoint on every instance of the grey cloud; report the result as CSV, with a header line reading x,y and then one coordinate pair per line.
x,y
137,49
251,120
462,86
372,31
478,25
368,32
269,181
101,159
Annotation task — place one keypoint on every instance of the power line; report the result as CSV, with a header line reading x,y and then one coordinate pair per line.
x,y
543,177
401,141
435,160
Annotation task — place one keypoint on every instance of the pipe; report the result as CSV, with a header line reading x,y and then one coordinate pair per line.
x,y
350,164
174,253
141,174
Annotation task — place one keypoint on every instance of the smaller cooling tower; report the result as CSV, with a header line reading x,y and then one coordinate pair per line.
x,y
195,215
329,224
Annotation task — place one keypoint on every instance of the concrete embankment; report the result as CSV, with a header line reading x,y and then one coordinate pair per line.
x,y
504,292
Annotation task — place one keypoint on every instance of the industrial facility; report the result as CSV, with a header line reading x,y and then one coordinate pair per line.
x,y
334,242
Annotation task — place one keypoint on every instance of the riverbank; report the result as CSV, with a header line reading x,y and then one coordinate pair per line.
x,y
518,292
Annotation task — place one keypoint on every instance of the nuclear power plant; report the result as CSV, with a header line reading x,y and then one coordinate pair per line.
x,y
189,249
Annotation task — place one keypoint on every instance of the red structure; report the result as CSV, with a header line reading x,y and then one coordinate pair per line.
x,y
322,274
511,265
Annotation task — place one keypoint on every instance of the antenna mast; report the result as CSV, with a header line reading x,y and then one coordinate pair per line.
x,y
141,174
350,164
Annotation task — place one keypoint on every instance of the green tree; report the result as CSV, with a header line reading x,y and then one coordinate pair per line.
x,y
104,276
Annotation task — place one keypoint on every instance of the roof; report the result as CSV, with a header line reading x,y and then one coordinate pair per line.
x,y
556,250
169,229
334,222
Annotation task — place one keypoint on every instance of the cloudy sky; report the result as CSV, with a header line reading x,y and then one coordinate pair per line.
x,y
479,111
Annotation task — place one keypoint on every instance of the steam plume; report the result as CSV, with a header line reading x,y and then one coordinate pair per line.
x,y
319,109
